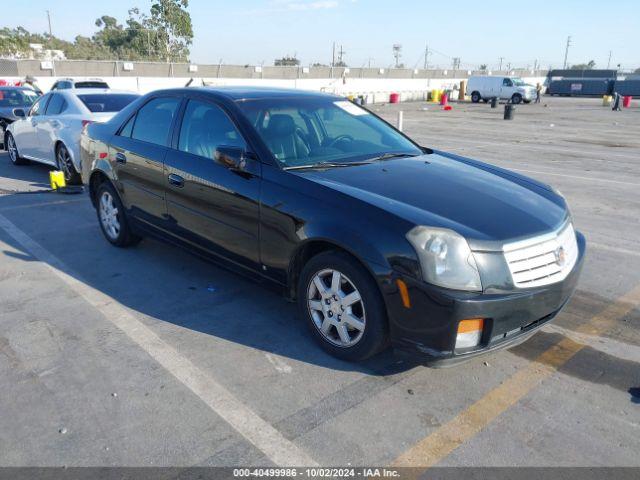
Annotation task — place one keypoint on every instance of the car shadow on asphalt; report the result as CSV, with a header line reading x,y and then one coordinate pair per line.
x,y
23,178
165,283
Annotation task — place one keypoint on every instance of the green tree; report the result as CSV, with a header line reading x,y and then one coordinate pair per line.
x,y
584,66
286,61
171,23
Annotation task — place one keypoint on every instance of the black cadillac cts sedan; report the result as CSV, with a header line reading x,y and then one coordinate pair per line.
x,y
379,240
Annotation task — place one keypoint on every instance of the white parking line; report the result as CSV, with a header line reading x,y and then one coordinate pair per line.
x,y
577,177
615,348
42,204
254,429
624,251
278,363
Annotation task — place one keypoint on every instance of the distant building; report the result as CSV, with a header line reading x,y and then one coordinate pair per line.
x,y
37,51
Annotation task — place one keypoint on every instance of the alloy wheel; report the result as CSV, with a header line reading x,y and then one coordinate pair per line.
x,y
65,163
336,307
13,150
109,216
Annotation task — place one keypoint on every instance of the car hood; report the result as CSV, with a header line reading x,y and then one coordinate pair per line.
x,y
485,204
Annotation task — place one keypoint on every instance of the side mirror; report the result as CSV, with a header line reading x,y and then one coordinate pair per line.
x,y
234,158
19,112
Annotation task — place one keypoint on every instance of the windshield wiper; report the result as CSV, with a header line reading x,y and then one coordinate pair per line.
x,y
388,156
326,165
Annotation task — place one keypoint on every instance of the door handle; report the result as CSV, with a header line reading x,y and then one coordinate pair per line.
x,y
121,158
176,180
55,123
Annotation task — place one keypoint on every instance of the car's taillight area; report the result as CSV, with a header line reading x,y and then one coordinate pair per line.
x,y
85,123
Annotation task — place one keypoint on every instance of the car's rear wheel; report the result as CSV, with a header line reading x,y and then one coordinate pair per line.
x,y
342,306
475,97
65,164
112,217
14,155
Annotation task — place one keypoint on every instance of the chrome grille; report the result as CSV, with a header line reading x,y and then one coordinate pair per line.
x,y
542,260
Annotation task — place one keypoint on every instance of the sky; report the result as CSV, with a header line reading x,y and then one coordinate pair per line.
x,y
479,32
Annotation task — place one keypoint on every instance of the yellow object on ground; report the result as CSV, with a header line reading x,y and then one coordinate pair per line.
x,y
606,100
435,95
57,180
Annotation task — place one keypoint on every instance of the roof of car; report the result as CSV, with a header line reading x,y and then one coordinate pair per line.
x,y
237,93
93,91
241,93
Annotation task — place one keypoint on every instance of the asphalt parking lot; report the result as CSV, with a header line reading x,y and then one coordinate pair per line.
x,y
150,357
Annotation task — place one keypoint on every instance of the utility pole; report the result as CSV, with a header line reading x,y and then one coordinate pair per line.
x,y
49,20
341,55
609,61
333,55
501,59
426,56
566,52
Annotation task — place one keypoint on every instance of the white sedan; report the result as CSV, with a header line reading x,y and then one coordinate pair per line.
x,y
50,131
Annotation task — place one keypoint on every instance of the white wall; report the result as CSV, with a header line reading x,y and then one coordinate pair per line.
x,y
377,90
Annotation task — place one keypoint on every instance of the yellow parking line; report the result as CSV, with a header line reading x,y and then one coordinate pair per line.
x,y
468,423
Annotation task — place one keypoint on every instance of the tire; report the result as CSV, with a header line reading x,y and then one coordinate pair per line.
x,y
475,97
354,311
112,217
14,154
65,164
516,99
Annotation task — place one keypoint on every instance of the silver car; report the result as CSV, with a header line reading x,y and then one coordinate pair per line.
x,y
49,132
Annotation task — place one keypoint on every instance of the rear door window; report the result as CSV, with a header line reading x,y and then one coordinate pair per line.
x,y
56,105
154,120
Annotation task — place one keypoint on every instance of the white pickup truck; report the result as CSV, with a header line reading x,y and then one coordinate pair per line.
x,y
487,87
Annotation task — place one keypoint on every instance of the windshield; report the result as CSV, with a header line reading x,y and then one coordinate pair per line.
x,y
112,102
17,98
518,82
308,131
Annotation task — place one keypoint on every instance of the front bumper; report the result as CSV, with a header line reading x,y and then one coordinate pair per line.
x,y
427,330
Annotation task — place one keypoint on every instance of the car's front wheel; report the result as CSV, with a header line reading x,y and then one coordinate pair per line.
x,y
475,97
112,217
65,164
12,148
516,99
342,306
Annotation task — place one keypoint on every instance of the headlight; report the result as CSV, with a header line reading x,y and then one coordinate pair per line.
x,y
445,258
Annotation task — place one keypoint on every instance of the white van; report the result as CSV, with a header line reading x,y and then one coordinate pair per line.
x,y
486,87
